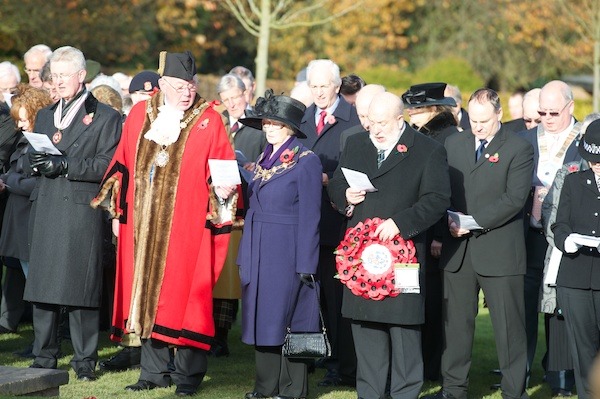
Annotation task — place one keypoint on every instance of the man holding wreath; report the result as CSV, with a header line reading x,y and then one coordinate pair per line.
x,y
410,173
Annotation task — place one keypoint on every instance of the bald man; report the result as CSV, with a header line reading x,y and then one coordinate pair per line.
x,y
363,100
387,333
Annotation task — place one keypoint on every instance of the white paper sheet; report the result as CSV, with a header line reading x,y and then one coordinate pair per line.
x,y
586,241
40,142
551,272
224,172
464,221
358,180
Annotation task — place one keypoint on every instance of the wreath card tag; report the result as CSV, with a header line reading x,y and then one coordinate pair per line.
x,y
407,278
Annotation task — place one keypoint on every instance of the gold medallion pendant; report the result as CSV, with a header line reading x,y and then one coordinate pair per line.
x,y
57,137
162,158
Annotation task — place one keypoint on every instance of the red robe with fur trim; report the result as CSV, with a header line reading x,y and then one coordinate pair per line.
x,y
172,244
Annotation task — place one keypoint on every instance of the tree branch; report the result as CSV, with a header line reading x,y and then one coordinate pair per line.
x,y
239,12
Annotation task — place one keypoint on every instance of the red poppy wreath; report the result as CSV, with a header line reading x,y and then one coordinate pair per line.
x,y
366,265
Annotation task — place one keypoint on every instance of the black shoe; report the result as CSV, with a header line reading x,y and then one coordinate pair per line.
x,y
142,385
495,387
36,366
86,374
441,394
287,397
255,395
127,358
496,371
561,393
4,330
185,390
219,349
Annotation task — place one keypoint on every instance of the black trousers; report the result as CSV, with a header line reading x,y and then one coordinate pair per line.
x,y
83,323
13,306
190,364
536,252
277,375
504,295
387,349
581,309
432,332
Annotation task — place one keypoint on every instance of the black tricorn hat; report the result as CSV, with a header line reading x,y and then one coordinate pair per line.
x,y
589,146
427,94
177,65
278,108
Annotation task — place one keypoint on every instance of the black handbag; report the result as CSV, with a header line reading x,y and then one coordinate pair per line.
x,y
307,345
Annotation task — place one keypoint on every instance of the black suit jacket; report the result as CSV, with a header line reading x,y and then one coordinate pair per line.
x,y
578,212
327,147
515,125
413,190
494,194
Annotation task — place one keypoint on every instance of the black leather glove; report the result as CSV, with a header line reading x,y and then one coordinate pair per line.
x,y
48,165
306,279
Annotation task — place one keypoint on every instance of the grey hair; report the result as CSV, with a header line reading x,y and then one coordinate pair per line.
x,y
8,68
589,119
70,55
38,49
487,95
230,81
333,68
454,92
242,72
106,80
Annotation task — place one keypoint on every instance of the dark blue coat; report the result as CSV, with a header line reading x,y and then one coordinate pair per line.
x,y
280,240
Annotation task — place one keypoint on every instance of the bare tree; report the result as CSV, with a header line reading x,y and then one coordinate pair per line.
x,y
260,19
587,23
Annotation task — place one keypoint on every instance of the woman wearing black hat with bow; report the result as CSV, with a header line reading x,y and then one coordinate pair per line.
x,y
578,281
431,114
279,249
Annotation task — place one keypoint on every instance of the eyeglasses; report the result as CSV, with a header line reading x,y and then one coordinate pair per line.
x,y
31,71
272,124
8,90
181,89
529,120
62,76
554,113
233,99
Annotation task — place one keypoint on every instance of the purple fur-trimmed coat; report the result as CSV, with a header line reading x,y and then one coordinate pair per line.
x,y
280,240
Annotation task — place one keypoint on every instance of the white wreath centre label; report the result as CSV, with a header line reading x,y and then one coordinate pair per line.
x,y
376,259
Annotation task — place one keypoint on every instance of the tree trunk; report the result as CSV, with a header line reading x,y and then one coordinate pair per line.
x,y
262,53
596,94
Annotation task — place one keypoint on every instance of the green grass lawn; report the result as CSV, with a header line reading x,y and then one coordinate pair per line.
x,y
231,377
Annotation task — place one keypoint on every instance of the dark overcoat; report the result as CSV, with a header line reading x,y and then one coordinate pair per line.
x,y
14,240
327,147
578,212
413,190
494,193
280,240
65,265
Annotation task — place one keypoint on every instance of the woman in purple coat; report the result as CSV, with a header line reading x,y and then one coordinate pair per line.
x,y
280,245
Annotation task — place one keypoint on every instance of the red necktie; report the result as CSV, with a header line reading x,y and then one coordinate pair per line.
x,y
321,123
234,128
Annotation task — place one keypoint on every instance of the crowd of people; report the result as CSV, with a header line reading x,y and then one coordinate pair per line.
x,y
121,224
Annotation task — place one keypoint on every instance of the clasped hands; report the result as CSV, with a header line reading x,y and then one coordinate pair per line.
x,y
48,165
225,192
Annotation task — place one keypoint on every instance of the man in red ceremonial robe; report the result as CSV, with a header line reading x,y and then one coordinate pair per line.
x,y
172,226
